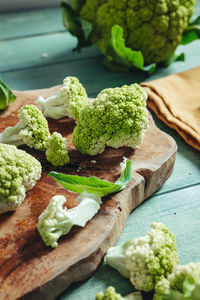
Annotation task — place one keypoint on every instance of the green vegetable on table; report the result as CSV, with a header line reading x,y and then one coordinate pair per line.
x,y
111,294
57,220
32,129
131,33
19,172
6,95
116,118
147,259
68,101
56,150
182,284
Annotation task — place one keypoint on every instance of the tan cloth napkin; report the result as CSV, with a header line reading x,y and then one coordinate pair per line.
x,y
176,101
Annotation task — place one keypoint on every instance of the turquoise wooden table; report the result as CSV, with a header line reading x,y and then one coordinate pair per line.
x,y
36,52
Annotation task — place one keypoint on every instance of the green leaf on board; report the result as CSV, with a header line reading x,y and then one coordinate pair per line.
x,y
93,184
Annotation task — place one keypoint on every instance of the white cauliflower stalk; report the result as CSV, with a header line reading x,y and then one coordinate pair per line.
x,y
68,101
57,220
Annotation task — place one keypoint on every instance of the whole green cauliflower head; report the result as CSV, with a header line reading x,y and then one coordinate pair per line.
x,y
183,283
56,152
116,118
154,27
19,172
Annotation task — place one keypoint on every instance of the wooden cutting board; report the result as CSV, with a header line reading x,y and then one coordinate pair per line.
x,y
31,270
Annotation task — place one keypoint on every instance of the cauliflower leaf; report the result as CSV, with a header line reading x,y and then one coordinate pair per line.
x,y
6,95
93,184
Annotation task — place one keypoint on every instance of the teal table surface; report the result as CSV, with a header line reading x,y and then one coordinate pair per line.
x,y
24,39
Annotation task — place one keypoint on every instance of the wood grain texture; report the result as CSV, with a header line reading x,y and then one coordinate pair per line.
x,y
31,270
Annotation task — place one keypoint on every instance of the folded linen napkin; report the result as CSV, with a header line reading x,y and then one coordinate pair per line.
x,y
176,101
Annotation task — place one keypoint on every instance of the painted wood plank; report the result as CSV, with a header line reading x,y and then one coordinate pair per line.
x,y
27,52
20,24
91,71
187,167
185,224
58,48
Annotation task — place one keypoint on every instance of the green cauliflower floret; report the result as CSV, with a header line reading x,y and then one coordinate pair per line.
x,y
57,220
110,294
56,151
19,172
148,258
183,283
154,27
32,129
68,101
116,118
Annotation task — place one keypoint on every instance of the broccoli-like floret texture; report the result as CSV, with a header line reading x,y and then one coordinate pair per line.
x,y
111,294
116,118
154,27
32,129
56,151
19,172
183,283
57,220
148,258
68,101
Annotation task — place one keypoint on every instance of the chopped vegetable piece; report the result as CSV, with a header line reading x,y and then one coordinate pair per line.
x,y
68,101
19,171
32,129
148,258
57,220
117,117
56,151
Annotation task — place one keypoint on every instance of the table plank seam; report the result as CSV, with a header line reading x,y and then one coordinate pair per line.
x,y
50,64
176,189
33,35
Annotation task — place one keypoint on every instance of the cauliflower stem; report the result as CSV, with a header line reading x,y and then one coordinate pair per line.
x,y
68,101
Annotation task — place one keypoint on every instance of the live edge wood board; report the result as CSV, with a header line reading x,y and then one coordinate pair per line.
x,y
29,269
